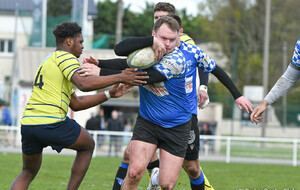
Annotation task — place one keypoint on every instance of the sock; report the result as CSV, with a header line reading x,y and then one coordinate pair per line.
x,y
154,180
120,176
197,184
151,165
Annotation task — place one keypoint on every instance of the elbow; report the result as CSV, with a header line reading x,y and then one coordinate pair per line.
x,y
84,87
74,108
117,51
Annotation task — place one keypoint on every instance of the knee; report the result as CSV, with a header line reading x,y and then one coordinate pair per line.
x,y
134,175
193,170
167,186
29,173
167,183
92,145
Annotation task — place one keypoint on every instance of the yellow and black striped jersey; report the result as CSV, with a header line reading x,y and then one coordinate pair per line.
x,y
52,90
185,38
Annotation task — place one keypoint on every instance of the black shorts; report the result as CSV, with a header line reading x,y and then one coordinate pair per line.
x,y
192,152
58,136
173,140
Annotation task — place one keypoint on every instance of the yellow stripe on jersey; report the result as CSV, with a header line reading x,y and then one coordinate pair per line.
x,y
185,38
52,90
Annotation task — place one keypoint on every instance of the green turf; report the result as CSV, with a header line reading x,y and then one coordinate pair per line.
x,y
55,171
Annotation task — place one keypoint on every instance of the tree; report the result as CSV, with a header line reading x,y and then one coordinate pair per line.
x,y
55,8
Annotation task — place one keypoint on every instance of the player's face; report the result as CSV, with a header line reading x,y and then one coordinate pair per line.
x,y
159,14
168,37
77,46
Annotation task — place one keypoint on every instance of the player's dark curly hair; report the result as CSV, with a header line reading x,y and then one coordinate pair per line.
x,y
177,18
66,30
166,7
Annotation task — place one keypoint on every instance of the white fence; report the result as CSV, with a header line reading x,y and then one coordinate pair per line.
x,y
227,149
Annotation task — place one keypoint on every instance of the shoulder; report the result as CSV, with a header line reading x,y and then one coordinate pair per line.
x,y
186,38
190,48
63,56
176,57
172,65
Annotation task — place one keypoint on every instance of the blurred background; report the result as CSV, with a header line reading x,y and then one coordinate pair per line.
x,y
254,50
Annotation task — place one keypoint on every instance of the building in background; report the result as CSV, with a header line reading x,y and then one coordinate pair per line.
x,y
20,31
24,25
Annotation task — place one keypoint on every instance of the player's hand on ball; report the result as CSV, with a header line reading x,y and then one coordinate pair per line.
x,y
158,48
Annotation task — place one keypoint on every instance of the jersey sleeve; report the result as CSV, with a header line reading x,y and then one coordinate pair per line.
x,y
204,62
172,65
67,63
296,56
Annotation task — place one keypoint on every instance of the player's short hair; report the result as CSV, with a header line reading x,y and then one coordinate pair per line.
x,y
171,22
66,30
177,18
166,7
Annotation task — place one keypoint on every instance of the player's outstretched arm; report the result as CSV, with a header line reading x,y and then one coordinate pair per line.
x,y
114,64
241,101
128,76
88,69
78,103
129,45
280,88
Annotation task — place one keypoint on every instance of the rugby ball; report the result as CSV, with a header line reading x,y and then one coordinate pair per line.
x,y
141,58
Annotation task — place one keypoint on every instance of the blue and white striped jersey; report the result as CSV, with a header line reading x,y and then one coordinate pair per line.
x,y
296,56
195,57
166,103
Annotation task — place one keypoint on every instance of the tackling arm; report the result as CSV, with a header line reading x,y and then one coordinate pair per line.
x,y
284,83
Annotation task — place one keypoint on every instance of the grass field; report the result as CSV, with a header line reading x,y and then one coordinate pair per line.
x,y
55,172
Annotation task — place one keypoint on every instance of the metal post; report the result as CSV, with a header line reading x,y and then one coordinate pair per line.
x,y
44,23
228,150
119,21
266,61
234,80
15,73
295,152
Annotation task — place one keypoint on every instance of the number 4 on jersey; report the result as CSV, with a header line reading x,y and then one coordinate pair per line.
x,y
38,81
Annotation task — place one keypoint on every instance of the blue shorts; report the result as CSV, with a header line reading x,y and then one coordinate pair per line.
x,y
58,136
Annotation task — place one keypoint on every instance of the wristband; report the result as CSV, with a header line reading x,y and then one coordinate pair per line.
x,y
106,92
203,87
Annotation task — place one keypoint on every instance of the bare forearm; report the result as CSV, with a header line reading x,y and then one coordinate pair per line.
x,y
85,102
91,83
